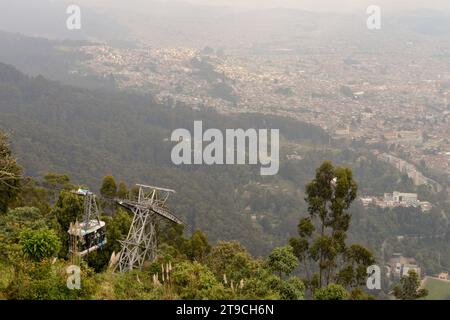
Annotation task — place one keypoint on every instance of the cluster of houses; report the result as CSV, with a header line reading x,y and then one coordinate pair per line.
x,y
399,266
397,199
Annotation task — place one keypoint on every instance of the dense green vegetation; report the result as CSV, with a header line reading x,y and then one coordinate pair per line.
x,y
322,235
34,256
409,287
49,58
91,134
10,173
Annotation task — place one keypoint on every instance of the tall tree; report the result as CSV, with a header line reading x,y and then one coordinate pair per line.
x,y
108,191
54,183
68,209
122,191
198,246
282,260
109,187
230,259
10,174
409,287
322,236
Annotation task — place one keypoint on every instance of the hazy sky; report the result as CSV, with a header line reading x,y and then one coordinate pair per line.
x,y
315,5
330,5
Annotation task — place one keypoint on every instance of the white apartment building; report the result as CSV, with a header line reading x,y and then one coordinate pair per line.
x,y
409,199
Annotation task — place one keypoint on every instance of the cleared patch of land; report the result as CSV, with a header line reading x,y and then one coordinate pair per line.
x,y
437,289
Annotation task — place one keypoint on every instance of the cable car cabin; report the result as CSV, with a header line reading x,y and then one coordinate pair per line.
x,y
86,239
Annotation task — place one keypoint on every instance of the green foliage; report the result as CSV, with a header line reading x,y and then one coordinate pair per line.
x,y
39,244
409,287
282,260
354,271
233,265
229,271
331,292
196,281
172,235
122,191
322,235
53,180
109,187
116,229
132,285
47,281
252,278
10,175
230,259
358,294
67,210
73,136
12,224
291,289
54,183
197,247
20,218
262,285
328,196
33,195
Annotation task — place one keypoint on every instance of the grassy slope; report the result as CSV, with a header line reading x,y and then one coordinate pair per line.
x,y
438,289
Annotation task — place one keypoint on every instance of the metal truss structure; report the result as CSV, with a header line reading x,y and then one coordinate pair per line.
x,y
141,242
90,211
91,224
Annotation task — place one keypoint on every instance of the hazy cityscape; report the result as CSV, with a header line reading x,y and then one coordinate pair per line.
x,y
92,94
356,96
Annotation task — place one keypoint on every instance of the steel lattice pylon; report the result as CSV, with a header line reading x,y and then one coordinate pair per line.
x,y
91,225
141,242
90,208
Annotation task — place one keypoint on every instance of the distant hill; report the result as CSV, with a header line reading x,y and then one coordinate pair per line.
x,y
89,134
426,22
49,58
46,18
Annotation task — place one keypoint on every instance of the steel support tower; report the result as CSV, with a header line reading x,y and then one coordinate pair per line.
x,y
90,209
141,242
91,216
